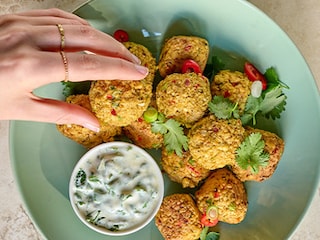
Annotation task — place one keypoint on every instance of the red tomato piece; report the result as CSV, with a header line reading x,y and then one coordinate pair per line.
x,y
207,222
121,35
190,66
253,74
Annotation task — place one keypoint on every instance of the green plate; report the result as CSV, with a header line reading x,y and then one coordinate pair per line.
x,y
42,159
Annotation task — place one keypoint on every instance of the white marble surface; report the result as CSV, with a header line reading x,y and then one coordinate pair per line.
x,y
299,18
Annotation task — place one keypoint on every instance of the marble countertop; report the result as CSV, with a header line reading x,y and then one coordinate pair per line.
x,y
298,18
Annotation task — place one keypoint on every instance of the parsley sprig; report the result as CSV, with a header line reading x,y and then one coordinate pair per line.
x,y
223,108
251,153
173,135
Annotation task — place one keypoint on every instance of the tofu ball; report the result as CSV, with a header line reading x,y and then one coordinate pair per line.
x,y
213,142
274,145
82,135
179,218
184,97
227,193
177,49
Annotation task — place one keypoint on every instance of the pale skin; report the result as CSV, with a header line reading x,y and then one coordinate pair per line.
x,y
29,58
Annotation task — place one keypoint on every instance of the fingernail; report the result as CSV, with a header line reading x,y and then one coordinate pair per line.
x,y
92,127
136,59
142,69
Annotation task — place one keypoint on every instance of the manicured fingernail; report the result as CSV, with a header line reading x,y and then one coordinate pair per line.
x,y
142,69
92,127
136,59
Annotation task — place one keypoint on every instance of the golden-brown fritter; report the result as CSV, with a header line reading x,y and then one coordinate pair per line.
x,y
82,135
119,102
179,218
274,145
225,191
184,97
177,49
183,170
141,134
232,85
213,142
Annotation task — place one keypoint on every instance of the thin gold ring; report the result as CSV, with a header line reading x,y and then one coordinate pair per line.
x,y
65,64
62,37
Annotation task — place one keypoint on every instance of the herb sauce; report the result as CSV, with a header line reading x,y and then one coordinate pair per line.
x,y
116,189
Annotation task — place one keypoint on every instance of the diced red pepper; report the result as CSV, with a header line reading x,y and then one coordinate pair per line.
x,y
113,112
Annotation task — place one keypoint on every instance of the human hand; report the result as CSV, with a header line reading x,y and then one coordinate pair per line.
x,y
30,45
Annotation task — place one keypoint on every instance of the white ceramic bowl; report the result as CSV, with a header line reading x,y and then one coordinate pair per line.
x,y
116,188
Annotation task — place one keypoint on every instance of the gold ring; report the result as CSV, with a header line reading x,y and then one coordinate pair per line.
x,y
65,64
62,41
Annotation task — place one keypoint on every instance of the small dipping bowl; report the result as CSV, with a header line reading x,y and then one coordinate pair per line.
x,y
116,188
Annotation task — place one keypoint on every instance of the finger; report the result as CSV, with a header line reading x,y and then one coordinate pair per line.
x,y
53,12
54,111
41,68
80,38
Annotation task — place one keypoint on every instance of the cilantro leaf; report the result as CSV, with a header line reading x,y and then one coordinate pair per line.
x,y
273,79
251,153
173,135
223,108
270,104
273,103
73,88
251,109
209,236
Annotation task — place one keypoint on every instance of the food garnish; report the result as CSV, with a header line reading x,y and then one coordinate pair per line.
x,y
74,88
121,35
190,65
205,235
223,108
210,217
173,135
150,115
254,74
251,153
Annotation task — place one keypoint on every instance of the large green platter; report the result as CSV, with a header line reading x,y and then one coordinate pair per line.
x,y
42,159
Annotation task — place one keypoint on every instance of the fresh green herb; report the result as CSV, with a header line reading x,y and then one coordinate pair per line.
x,y
218,64
80,178
94,219
205,235
172,131
251,153
270,104
273,79
73,88
150,115
223,108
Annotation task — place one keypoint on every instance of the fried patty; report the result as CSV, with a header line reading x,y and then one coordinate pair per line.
x,y
183,170
177,49
179,218
82,135
119,102
213,142
232,85
184,97
226,192
274,145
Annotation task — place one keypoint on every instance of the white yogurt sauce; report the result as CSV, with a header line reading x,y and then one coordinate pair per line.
x,y
116,189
